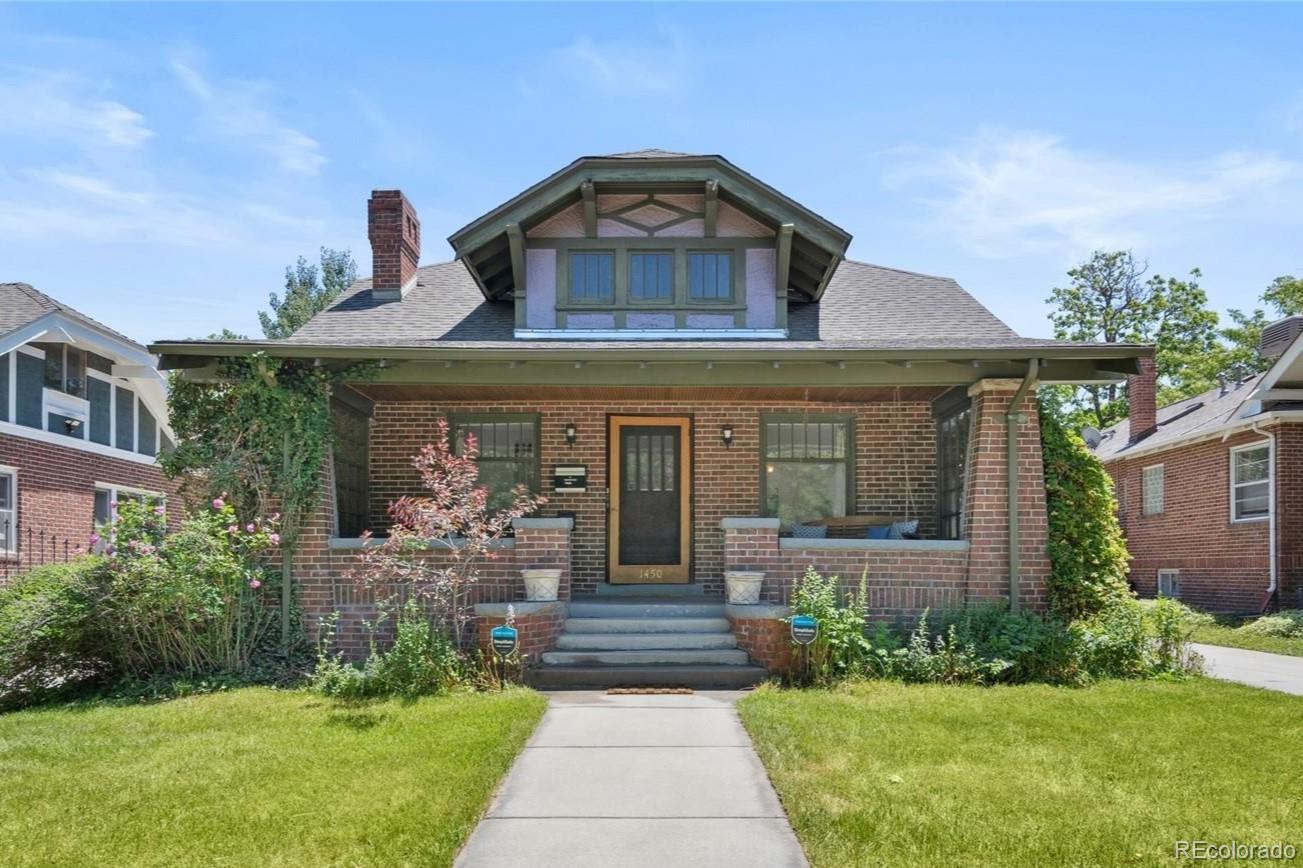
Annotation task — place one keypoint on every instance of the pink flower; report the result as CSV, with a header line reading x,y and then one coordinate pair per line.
x,y
218,503
255,584
250,527
233,529
94,539
276,516
275,539
113,503
159,510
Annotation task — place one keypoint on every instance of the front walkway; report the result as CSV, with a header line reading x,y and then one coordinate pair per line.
x,y
631,780
1257,668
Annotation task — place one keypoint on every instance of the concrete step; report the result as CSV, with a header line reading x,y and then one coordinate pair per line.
x,y
702,677
644,608
645,641
647,625
723,657
690,589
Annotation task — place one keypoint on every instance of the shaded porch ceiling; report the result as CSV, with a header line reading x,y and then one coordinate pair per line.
x,y
699,394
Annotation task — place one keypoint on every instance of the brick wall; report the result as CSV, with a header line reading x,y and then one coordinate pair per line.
x,y
537,630
1224,565
766,641
56,486
895,465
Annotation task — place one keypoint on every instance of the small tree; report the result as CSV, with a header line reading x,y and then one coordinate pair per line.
x,y
1088,555
308,291
454,517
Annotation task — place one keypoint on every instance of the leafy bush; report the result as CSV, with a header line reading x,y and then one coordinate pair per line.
x,y
1287,623
943,659
420,661
1088,555
51,636
1034,648
841,650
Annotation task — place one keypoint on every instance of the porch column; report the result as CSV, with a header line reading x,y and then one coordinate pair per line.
x,y
544,544
752,544
986,498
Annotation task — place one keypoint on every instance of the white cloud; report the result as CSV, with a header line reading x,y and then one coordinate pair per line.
x,y
659,67
51,106
238,111
1007,193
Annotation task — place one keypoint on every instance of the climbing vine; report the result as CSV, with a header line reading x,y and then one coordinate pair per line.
x,y
1088,555
257,433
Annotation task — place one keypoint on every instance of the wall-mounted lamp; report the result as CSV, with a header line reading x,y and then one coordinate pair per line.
x,y
572,433
726,435
72,425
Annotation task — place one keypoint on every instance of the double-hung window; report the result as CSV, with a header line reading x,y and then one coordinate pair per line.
x,y
1151,484
710,276
592,277
1250,482
107,498
8,510
1169,583
507,453
808,466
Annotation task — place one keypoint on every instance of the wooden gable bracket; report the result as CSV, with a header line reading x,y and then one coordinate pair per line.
x,y
589,192
782,271
516,243
712,207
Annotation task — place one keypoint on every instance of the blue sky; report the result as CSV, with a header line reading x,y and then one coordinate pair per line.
x,y
161,165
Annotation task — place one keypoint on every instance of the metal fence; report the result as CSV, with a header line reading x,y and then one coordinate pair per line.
x,y
23,547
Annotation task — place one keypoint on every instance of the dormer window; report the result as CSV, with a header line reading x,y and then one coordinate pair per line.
x,y
710,276
592,277
651,276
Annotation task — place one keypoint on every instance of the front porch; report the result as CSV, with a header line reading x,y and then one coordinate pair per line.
x,y
931,459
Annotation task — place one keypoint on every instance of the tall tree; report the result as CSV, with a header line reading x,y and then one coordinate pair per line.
x,y
1286,295
308,291
1109,298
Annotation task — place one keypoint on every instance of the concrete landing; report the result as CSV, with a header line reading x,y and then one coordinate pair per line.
x,y
634,781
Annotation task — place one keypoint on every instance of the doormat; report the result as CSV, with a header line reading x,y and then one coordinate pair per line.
x,y
647,690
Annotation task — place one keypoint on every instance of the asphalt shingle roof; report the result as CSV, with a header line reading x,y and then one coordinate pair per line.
x,y
866,307
21,304
1202,414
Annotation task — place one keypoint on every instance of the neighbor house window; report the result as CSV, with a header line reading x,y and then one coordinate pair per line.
x,y
1152,489
507,452
1250,482
952,457
651,276
592,276
710,276
65,368
1169,583
808,467
8,510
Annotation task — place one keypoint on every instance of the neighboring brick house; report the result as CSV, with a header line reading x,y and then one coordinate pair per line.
x,y
1210,489
684,360
83,414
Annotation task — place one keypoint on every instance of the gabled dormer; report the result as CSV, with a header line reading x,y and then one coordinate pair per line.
x,y
651,245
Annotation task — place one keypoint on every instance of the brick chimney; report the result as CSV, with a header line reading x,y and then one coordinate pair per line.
x,y
395,234
1141,392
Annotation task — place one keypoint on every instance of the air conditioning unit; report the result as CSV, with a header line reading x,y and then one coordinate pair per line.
x,y
1277,337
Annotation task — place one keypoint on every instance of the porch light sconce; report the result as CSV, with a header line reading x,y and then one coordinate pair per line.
x,y
572,433
726,435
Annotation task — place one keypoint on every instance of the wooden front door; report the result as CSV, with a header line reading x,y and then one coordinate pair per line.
x,y
650,521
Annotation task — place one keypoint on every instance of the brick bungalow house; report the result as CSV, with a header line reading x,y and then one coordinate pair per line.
x,y
83,414
1210,489
683,359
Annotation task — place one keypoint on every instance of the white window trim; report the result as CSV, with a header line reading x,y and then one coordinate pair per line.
x,y
76,443
1174,576
1162,495
12,473
1270,480
114,490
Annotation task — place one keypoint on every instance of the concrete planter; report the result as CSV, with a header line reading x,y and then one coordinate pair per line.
x,y
541,585
743,586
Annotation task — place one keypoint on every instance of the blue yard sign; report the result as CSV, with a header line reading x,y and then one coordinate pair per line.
x,y
805,629
504,640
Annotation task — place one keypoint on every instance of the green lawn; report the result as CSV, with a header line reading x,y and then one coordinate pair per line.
x,y
254,777
1218,634
887,774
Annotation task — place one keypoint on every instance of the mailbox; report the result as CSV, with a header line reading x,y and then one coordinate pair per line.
x,y
570,477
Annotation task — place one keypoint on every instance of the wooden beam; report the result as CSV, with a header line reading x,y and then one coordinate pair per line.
x,y
516,240
1280,395
712,206
783,271
827,276
589,193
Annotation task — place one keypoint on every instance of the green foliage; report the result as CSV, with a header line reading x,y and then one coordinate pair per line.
x,y
51,637
308,291
1108,298
421,661
1287,623
1286,295
1088,555
943,659
841,649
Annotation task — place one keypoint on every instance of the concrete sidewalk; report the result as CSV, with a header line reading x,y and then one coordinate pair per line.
x,y
628,781
1257,668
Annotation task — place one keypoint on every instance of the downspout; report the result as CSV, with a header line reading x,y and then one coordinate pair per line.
x,y
1013,418
1271,508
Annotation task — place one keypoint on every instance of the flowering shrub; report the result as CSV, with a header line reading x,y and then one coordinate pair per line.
x,y
453,516
196,600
